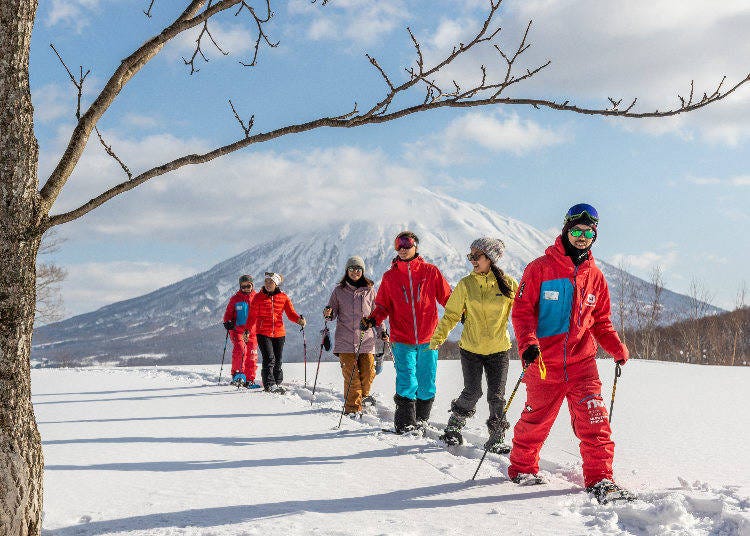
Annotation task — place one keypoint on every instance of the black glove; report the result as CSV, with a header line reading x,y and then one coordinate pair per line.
x,y
384,334
530,354
229,325
366,323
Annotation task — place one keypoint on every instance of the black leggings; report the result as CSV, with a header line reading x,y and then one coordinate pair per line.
x,y
271,348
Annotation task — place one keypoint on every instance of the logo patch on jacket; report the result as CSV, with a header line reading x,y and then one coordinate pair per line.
x,y
520,289
551,295
591,300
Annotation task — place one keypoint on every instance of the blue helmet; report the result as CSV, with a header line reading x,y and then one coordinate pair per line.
x,y
582,213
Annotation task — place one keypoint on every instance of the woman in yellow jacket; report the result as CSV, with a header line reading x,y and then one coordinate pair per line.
x,y
483,300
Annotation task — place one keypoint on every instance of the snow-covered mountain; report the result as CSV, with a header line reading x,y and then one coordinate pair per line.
x,y
181,323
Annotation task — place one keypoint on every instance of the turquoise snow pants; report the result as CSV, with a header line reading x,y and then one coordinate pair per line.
x,y
416,369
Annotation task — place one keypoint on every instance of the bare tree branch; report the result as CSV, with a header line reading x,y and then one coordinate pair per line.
x,y
250,121
259,21
110,152
128,68
148,11
485,93
77,83
198,49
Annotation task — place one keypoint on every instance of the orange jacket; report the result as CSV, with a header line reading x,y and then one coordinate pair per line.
x,y
265,312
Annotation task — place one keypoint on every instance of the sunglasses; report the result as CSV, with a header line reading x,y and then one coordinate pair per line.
x,y
474,256
404,242
246,285
354,268
588,233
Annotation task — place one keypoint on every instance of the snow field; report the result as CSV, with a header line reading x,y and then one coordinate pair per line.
x,y
167,451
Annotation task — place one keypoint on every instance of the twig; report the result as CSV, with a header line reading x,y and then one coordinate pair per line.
x,y
111,153
250,122
77,83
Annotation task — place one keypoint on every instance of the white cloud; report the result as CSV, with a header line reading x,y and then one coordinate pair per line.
x,y
51,102
739,180
645,49
358,21
488,130
70,12
234,39
94,284
642,263
140,121
248,192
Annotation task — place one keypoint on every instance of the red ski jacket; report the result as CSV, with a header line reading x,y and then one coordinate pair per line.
x,y
565,309
265,312
407,297
238,311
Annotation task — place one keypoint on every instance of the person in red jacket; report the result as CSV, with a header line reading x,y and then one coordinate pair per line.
x,y
242,333
408,297
265,313
561,311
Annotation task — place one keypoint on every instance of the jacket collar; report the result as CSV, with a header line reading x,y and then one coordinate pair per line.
x,y
403,266
557,253
277,290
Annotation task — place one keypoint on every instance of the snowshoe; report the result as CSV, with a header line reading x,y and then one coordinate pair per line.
x,y
408,430
278,389
251,385
238,380
451,437
369,400
354,415
605,491
527,479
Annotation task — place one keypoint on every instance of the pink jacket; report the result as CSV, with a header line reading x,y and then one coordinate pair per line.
x,y
348,305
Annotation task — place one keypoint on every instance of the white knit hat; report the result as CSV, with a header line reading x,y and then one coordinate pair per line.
x,y
493,248
276,278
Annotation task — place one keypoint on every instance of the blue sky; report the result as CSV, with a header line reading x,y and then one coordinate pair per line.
x,y
673,193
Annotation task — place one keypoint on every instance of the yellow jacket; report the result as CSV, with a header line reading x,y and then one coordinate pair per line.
x,y
487,310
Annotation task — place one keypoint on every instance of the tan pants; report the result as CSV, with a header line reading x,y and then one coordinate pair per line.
x,y
361,379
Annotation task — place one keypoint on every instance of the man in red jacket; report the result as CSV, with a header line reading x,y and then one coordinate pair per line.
x,y
242,333
408,297
561,311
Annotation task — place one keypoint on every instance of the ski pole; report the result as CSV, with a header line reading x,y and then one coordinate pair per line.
x,y
505,410
618,372
304,352
324,334
355,365
223,355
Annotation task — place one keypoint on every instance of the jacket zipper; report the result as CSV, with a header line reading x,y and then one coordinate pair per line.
x,y
413,310
567,335
273,322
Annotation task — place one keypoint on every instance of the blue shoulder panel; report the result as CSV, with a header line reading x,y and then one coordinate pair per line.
x,y
555,303
241,310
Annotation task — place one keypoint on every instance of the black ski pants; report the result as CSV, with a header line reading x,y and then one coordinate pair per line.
x,y
271,349
495,366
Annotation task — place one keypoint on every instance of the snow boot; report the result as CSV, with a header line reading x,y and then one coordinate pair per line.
x,y
528,479
452,433
496,443
423,408
369,400
606,491
405,416
250,384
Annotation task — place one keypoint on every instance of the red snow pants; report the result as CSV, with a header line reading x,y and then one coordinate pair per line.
x,y
244,355
588,415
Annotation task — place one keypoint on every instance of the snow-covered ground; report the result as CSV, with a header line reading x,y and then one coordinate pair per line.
x,y
166,451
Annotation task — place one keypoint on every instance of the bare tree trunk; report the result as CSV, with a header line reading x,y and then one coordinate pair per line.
x,y
21,462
